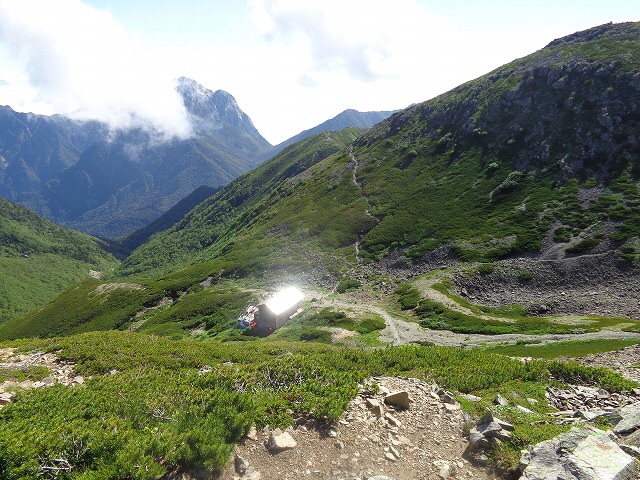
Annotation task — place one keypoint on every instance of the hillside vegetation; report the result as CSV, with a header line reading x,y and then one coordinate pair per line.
x,y
547,142
249,210
39,260
544,147
155,406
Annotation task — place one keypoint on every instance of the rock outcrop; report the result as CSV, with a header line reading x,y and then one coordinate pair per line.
x,y
580,454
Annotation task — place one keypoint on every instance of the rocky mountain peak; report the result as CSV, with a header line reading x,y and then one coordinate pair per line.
x,y
210,109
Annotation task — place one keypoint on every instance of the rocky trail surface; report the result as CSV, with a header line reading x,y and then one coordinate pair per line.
x,y
374,439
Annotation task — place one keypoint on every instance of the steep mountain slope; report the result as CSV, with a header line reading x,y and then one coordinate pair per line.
x,y
346,119
35,149
238,206
547,143
167,219
110,185
538,158
39,260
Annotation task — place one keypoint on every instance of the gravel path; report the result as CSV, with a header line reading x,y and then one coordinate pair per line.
x,y
400,332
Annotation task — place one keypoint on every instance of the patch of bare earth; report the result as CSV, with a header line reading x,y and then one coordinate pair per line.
x,y
339,334
60,372
424,442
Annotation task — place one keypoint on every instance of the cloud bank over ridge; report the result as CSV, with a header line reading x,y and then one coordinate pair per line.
x,y
79,61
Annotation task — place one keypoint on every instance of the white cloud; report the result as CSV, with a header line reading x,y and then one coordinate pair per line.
x,y
359,37
75,59
330,55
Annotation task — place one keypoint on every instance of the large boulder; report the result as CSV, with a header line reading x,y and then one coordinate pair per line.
x,y
580,454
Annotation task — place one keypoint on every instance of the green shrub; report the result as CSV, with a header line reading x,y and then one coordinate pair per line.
x,y
407,296
562,235
584,245
524,275
348,284
509,183
485,268
369,324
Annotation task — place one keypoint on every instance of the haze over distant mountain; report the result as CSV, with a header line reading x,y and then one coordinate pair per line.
x,y
112,183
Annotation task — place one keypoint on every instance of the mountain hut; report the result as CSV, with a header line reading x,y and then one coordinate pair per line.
x,y
276,311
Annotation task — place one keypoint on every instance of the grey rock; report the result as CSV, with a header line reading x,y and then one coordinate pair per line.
x,y
376,408
390,456
471,398
452,407
477,440
500,400
631,450
494,430
446,397
252,434
401,399
26,384
523,409
392,420
241,465
488,417
632,439
630,419
580,454
280,441
379,477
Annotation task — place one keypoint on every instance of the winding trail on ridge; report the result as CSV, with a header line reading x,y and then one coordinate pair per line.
x,y
354,180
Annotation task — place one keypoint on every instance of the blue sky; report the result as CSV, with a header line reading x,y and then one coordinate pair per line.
x,y
290,64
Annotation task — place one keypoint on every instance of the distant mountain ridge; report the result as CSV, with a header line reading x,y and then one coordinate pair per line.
x,y
81,175
345,119
111,184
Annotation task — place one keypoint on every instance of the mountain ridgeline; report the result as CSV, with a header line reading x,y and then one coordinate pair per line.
x,y
111,183
538,158
346,119
546,145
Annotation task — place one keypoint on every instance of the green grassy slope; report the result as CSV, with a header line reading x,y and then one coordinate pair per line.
x,y
239,206
39,260
88,306
158,413
487,169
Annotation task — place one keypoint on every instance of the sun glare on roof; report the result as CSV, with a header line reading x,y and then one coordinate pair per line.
x,y
284,299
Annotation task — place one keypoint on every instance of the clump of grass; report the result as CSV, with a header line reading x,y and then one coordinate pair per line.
x,y
574,348
347,284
